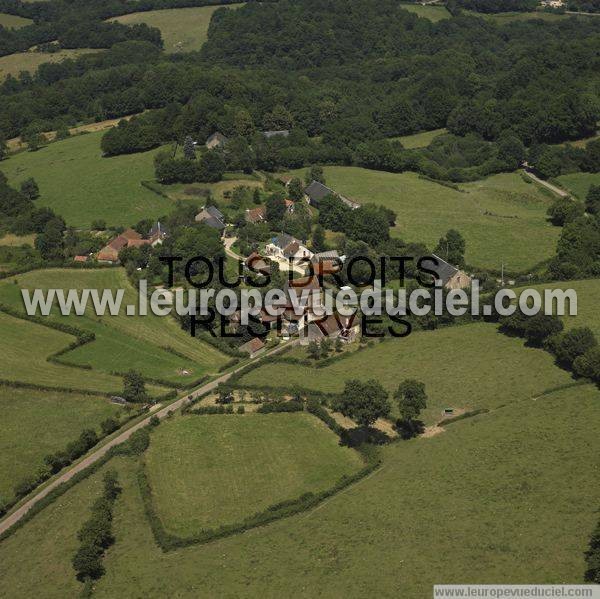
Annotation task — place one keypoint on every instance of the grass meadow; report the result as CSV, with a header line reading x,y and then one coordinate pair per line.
x,y
13,21
433,13
420,140
587,302
579,183
122,342
463,367
82,186
13,64
502,218
470,505
36,423
206,471
182,29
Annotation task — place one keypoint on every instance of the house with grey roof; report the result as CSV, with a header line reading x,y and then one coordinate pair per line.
x,y
211,216
285,247
316,191
450,276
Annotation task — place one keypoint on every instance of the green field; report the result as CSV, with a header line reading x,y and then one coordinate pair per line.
x,y
587,302
50,541
77,183
469,367
433,13
206,471
469,505
502,218
25,348
13,21
579,183
420,140
182,29
13,64
122,342
36,423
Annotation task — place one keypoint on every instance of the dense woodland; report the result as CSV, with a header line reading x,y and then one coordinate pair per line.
x,y
345,78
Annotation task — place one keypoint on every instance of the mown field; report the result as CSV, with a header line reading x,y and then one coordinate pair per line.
x,y
502,218
82,186
433,13
122,342
420,140
471,366
13,64
206,471
579,183
471,505
13,21
182,29
36,423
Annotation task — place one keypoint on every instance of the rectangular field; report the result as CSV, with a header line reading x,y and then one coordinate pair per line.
x,y
13,21
206,471
433,13
471,366
502,218
420,140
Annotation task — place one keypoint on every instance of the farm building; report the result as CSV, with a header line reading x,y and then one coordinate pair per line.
x,y
450,276
316,191
158,233
346,328
256,215
129,238
253,347
212,217
286,247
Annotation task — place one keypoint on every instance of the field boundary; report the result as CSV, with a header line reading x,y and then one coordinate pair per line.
x,y
284,509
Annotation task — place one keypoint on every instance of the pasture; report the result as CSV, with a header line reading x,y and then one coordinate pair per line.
x,y
471,366
433,13
587,303
420,140
502,218
145,343
510,17
469,505
53,532
182,29
579,183
13,21
35,424
13,64
82,186
206,471
25,348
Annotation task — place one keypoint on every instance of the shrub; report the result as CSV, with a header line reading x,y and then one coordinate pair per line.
x,y
281,406
108,426
95,535
588,364
568,346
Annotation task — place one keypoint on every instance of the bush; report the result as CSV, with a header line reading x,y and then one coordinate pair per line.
x,y
588,365
281,406
568,346
95,535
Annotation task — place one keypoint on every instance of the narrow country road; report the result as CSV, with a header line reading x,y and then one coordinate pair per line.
x,y
124,436
557,190
227,243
